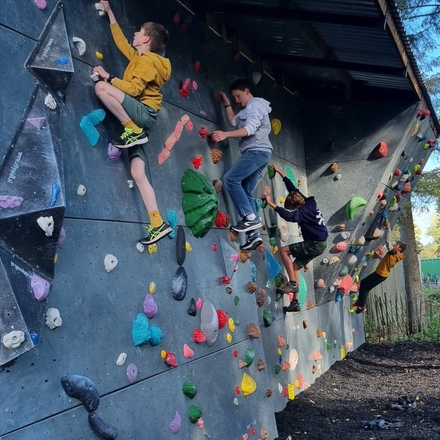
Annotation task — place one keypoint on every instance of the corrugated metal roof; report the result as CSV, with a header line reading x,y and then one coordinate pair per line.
x,y
329,43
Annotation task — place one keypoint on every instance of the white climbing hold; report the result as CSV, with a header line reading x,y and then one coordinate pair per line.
x,y
352,260
100,8
95,76
80,45
338,176
121,359
256,77
81,190
140,247
235,401
331,289
283,230
49,101
13,339
280,388
53,318
345,235
110,262
325,261
47,225
130,183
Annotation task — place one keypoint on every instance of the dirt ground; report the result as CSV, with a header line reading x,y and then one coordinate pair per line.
x,y
362,387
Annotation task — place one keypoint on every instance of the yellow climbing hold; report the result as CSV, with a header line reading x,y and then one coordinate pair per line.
x,y
163,354
281,200
290,391
415,129
99,55
231,325
229,338
297,384
248,385
274,250
152,288
342,352
276,125
152,248
333,260
55,258
279,352
188,247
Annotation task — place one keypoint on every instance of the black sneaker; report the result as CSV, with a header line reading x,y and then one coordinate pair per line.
x,y
129,139
252,242
245,225
291,287
155,234
292,307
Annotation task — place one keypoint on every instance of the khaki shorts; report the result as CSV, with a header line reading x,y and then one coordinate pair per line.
x,y
305,251
143,116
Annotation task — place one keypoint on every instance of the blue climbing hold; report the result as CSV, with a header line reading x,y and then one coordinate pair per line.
x,y
140,331
172,220
253,271
90,132
338,296
55,193
156,335
35,338
273,267
63,60
96,116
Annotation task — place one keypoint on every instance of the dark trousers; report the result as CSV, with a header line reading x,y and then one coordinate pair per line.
x,y
367,284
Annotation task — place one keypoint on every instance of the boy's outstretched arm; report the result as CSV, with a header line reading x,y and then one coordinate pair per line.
x,y
278,170
109,12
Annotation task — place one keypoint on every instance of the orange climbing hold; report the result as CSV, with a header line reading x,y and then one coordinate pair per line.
x,y
317,356
406,188
285,365
345,284
281,341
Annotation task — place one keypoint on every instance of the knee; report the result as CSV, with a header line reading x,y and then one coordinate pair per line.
x,y
296,267
100,88
284,251
137,170
228,180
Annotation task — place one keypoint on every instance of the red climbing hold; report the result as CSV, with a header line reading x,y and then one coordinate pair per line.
x,y
203,132
221,219
184,88
176,18
197,161
214,247
252,431
222,318
225,280
189,126
199,336
381,150
196,66
170,359
237,390
397,172
184,25
406,188
423,112
235,353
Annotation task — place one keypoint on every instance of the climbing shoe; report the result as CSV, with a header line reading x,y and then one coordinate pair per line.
x,y
129,139
292,307
245,225
252,242
357,308
291,287
155,234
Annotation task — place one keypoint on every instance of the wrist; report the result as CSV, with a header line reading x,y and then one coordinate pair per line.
x,y
110,78
227,105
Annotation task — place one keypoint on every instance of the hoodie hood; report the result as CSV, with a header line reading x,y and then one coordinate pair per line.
x,y
261,103
162,66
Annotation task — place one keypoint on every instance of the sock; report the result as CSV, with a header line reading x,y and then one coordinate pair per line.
x,y
251,217
130,124
155,218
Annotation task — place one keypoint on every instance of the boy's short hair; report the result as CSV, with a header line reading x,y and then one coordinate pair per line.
x,y
294,200
158,36
239,84
402,245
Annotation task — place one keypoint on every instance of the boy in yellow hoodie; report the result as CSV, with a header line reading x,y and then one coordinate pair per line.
x,y
135,100
391,258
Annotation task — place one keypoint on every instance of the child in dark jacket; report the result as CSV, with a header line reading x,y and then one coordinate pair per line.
x,y
302,210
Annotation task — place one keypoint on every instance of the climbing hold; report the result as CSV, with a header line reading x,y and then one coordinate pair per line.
x,y
80,45
220,219
176,423
172,220
209,322
198,336
82,389
343,271
180,246
270,172
334,167
194,414
281,341
35,338
252,287
231,325
256,77
100,8
381,150
140,331
218,185
192,309
216,155
36,122
253,331
55,192
345,284
156,335
40,4
50,102
113,153
189,389
99,55
339,247
228,338
196,66
248,385
110,262
197,161
121,359
150,306
180,282
170,359
353,205
333,260
276,125
10,201
267,318
47,225
40,287
405,190
249,356
81,190
13,340
53,318
187,352
184,88
105,430
132,372
222,318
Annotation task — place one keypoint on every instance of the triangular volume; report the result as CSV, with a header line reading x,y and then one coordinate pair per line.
x,y
51,60
11,319
230,257
23,235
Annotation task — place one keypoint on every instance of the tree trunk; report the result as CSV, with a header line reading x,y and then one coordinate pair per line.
x,y
411,267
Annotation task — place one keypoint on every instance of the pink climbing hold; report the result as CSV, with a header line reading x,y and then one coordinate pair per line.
x,y
187,352
339,247
113,153
176,18
10,201
189,126
345,284
40,4
40,287
397,172
185,87
132,372
235,257
176,424
36,122
199,303
195,86
61,237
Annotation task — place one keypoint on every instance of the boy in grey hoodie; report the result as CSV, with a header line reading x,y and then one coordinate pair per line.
x,y
253,128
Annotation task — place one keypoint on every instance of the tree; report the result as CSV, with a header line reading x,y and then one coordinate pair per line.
x,y
427,191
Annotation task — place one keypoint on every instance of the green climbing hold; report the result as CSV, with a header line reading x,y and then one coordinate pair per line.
x,y
272,230
224,144
189,389
279,295
236,299
272,241
343,271
249,356
291,176
194,414
270,172
267,318
258,203
353,205
328,346
276,369
263,203
199,202
287,347
278,280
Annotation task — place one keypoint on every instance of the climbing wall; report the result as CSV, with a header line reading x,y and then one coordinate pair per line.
x,y
51,168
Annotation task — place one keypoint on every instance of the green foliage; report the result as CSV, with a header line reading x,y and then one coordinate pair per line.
x,y
427,191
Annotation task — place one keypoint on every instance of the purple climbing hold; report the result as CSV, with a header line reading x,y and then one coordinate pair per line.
x,y
10,201
83,389
113,153
150,306
176,424
36,122
104,429
40,287
132,372
61,237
